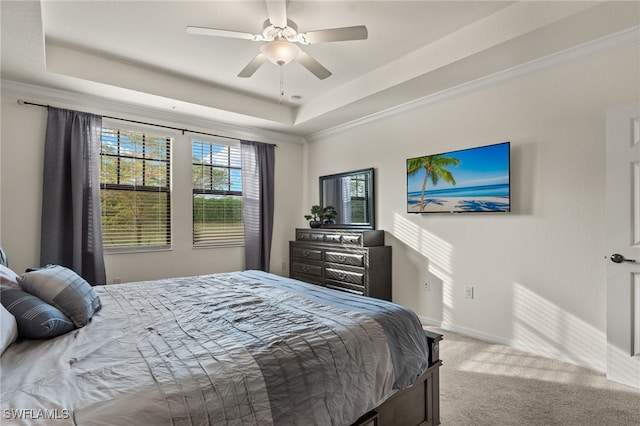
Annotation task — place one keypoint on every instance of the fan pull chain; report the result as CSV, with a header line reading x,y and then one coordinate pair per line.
x,y
281,83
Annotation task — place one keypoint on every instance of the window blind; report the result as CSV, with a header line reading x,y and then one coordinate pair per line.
x,y
217,194
135,190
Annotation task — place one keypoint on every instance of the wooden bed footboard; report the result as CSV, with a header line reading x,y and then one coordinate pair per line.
x,y
417,405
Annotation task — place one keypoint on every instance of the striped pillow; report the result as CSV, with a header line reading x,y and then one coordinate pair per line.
x,y
64,289
36,319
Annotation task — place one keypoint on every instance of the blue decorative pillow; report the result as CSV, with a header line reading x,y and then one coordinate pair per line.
x,y
36,319
65,290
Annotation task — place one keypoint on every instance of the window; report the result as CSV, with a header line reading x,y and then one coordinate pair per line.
x,y
135,190
359,198
217,194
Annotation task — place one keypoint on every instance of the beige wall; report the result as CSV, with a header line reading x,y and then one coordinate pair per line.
x,y
21,153
538,272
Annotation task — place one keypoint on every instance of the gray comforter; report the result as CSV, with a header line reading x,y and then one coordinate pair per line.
x,y
244,348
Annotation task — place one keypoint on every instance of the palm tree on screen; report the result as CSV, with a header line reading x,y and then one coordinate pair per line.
x,y
434,166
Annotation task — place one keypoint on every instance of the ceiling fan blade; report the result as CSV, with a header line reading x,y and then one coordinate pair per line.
x,y
337,34
312,65
277,10
253,66
219,33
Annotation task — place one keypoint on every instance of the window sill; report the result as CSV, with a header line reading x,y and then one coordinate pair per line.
x,y
218,245
136,250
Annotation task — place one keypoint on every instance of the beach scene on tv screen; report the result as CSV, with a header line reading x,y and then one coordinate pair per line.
x,y
470,180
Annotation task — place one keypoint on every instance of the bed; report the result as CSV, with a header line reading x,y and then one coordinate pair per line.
x,y
241,348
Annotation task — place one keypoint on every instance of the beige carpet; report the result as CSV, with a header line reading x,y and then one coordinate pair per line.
x,y
489,384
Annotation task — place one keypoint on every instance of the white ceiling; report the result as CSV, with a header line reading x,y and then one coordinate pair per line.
x,y
139,52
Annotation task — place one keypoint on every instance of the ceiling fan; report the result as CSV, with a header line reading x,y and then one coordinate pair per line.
x,y
282,38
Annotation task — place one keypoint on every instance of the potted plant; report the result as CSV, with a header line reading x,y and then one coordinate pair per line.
x,y
329,214
314,217
321,215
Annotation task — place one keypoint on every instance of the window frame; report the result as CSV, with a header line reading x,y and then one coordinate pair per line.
x,y
212,141
153,132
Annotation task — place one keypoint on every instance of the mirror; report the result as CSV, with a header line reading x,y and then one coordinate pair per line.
x,y
351,194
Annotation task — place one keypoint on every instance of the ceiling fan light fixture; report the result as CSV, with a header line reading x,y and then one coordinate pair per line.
x,y
280,38
280,52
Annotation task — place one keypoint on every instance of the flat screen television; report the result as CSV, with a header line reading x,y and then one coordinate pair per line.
x,y
469,180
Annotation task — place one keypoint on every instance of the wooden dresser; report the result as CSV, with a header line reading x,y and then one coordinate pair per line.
x,y
356,261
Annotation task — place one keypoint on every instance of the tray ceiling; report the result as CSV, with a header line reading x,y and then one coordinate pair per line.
x,y
139,52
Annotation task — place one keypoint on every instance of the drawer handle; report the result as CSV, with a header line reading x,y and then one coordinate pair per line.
x,y
342,275
305,268
305,253
342,258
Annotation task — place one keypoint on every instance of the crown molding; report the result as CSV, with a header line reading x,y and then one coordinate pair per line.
x,y
597,47
64,98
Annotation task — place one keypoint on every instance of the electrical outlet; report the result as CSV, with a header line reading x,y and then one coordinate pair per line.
x,y
468,292
117,280
427,286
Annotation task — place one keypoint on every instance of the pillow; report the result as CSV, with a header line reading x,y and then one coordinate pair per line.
x,y
8,277
8,329
65,290
35,318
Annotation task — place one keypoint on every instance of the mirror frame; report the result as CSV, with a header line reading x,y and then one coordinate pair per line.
x,y
370,204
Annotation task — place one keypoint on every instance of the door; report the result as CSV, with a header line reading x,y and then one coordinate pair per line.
x,y
623,245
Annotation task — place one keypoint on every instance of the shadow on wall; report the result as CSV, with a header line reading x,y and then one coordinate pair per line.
x,y
543,327
537,324
426,259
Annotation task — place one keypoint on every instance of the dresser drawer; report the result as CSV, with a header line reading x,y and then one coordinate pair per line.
x,y
310,236
352,239
345,276
307,253
342,286
354,259
333,238
306,268
308,278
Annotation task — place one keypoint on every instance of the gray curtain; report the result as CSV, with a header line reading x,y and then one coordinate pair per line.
x,y
258,161
337,193
71,233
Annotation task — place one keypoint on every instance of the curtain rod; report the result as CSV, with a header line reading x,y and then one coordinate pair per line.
x,y
22,102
